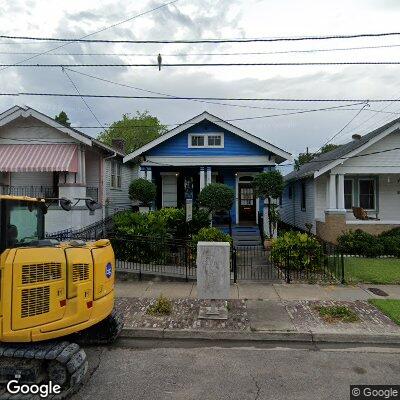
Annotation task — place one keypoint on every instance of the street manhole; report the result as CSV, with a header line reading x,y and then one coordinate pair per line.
x,y
378,292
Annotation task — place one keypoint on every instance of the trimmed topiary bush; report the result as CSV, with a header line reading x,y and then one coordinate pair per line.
x,y
143,191
216,197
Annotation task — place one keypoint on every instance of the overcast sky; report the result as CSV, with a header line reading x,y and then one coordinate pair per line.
x,y
191,19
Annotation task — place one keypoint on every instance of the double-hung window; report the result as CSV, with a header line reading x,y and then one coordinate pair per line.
x,y
208,140
115,174
303,196
348,194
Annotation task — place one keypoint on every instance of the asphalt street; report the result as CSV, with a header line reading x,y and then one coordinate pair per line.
x,y
235,373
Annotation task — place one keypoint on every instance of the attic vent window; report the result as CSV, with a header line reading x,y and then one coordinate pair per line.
x,y
209,140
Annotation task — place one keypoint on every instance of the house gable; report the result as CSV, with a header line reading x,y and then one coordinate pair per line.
x,y
233,145
205,117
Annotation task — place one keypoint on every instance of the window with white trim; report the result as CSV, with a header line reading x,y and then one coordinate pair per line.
x,y
348,194
367,193
208,140
116,174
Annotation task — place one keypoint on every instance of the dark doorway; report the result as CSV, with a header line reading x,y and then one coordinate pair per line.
x,y
247,203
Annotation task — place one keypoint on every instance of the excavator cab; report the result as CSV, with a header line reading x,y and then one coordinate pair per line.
x,y
21,222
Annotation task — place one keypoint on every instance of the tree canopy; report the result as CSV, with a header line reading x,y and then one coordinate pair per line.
x,y
63,119
304,158
136,130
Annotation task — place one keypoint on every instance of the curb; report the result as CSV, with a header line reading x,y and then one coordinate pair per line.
x,y
258,337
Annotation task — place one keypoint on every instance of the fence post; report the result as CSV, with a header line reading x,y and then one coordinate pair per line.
x,y
186,261
287,269
234,265
343,281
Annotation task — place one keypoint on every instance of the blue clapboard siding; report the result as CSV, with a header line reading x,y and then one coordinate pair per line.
x,y
233,146
229,180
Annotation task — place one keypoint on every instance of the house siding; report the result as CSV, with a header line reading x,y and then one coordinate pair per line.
x,y
233,144
118,199
291,212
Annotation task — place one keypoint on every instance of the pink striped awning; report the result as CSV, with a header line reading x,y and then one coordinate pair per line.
x,y
38,158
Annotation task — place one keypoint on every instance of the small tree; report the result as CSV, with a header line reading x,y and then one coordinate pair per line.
x,y
269,185
142,190
62,119
216,197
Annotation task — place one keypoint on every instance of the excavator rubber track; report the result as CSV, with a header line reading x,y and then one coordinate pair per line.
x,y
103,333
63,363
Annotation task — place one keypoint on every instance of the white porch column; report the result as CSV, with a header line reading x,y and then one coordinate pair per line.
x,y
340,192
208,175
332,192
202,178
149,176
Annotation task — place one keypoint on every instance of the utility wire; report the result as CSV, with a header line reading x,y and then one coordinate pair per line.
x,y
216,40
90,34
277,99
253,64
200,54
348,123
83,99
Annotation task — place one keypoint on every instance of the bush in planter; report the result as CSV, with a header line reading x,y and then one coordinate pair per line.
x,y
211,235
216,197
296,250
142,190
360,243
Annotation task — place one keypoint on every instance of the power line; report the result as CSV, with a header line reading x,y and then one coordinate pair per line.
x,y
200,54
277,99
253,64
83,99
216,40
344,127
90,34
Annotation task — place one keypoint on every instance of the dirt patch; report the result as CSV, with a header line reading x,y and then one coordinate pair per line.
x,y
183,315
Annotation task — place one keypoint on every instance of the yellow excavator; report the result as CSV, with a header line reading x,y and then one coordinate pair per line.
x,y
52,296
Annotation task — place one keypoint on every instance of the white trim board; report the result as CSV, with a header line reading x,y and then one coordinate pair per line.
x,y
356,151
208,161
219,122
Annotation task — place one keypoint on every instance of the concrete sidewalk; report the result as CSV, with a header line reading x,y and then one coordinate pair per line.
x,y
258,290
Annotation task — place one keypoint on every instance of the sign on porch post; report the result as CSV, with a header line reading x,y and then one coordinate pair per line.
x,y
189,210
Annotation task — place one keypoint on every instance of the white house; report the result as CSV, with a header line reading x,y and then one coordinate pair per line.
x,y
356,186
42,158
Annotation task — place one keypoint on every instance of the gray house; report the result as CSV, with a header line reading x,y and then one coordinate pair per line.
x,y
356,186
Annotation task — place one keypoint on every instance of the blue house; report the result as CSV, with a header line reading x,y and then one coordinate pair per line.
x,y
203,150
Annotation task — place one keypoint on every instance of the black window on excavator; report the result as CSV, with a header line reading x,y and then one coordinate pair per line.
x,y
21,223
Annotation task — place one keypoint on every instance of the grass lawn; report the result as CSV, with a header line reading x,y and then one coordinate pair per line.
x,y
391,308
372,270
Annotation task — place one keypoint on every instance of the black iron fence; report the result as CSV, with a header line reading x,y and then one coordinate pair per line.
x,y
31,191
155,256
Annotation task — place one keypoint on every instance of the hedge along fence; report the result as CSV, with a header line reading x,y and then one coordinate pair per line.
x,y
303,257
360,243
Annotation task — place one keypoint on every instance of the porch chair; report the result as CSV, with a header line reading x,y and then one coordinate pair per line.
x,y
360,213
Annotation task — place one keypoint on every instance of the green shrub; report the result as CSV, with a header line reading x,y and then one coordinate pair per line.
x,y
162,306
391,232
360,243
211,235
216,197
143,191
296,250
391,245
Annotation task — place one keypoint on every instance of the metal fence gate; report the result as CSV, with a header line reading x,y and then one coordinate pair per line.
x,y
253,263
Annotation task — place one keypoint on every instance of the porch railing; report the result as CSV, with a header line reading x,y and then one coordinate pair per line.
x,y
31,191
